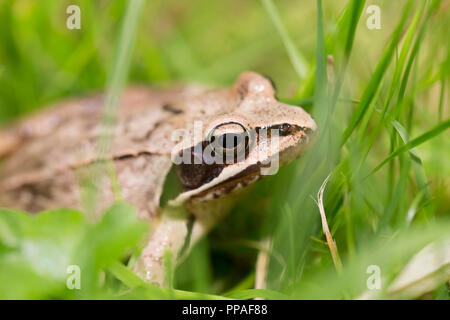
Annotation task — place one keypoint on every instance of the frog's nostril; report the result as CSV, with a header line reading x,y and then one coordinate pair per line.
x,y
308,130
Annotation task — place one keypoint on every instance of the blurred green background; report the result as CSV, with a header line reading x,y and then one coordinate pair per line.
x,y
212,42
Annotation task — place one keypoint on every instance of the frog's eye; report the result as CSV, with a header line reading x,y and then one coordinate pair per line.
x,y
230,138
283,129
229,141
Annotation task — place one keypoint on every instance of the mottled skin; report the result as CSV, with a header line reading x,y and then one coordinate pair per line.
x,y
46,156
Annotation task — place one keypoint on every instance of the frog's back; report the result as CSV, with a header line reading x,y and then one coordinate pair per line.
x,y
51,152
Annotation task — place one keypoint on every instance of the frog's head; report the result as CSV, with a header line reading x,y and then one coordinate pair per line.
x,y
250,137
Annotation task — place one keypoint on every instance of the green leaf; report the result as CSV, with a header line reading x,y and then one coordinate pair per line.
x,y
36,252
106,242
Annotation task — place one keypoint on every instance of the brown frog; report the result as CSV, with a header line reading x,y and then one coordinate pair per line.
x,y
47,155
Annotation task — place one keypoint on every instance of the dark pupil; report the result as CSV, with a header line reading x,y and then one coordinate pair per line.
x,y
230,140
284,129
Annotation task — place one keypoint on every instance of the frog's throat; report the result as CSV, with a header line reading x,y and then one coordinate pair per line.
x,y
244,177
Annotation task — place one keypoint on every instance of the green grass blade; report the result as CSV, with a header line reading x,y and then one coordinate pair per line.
x,y
121,272
344,33
116,82
421,181
355,10
419,171
298,61
414,143
118,76
413,55
412,30
377,77
394,83
132,281
320,87
441,99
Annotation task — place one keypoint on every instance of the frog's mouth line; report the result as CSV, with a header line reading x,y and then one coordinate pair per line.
x,y
248,175
231,183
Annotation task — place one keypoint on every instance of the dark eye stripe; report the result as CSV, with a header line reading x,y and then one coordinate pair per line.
x,y
284,129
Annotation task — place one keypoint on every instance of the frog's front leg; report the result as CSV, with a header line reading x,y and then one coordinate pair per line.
x,y
170,235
